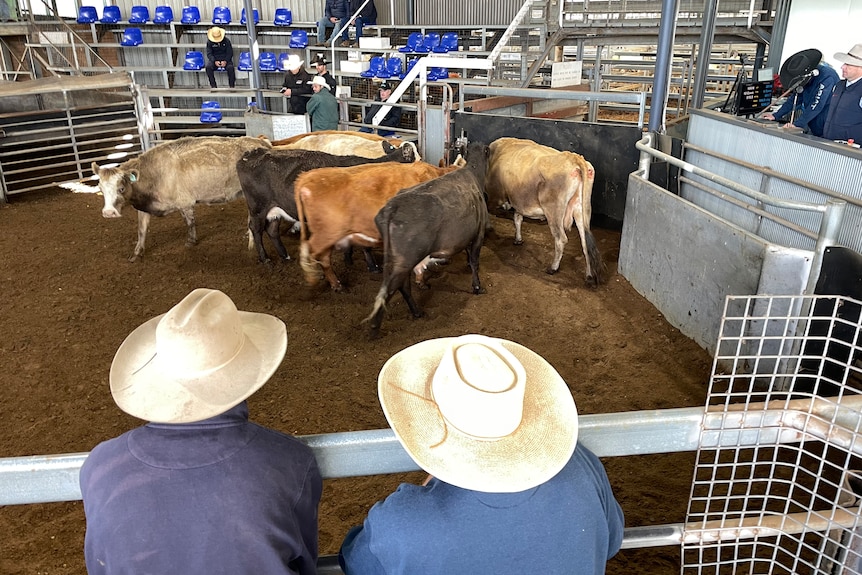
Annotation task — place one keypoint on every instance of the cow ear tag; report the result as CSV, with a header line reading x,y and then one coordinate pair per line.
x,y
133,177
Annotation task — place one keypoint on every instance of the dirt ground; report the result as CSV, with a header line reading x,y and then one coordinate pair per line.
x,y
69,297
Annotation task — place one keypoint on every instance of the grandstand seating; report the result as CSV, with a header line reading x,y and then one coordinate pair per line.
x,y
139,15
87,15
376,68
298,39
414,43
431,41
256,14
244,64
190,15
111,15
267,62
194,60
210,113
436,73
448,43
282,60
163,15
132,37
394,66
283,17
221,15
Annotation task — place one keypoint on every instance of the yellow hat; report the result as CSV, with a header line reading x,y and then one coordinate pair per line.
x,y
215,34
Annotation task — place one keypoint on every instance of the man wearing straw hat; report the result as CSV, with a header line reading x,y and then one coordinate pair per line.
x,y
219,56
199,489
844,121
511,490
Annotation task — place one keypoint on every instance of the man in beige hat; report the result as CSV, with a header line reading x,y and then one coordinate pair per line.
x,y
219,54
199,489
844,121
511,489
322,107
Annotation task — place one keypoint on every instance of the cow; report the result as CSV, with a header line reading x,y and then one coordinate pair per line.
x,y
267,178
174,176
429,223
544,183
340,143
336,208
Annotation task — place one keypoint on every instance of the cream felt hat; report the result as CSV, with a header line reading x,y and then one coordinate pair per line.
x,y
215,34
852,57
480,413
319,81
293,62
196,361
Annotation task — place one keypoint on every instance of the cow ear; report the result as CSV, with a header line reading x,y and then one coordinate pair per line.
x,y
95,167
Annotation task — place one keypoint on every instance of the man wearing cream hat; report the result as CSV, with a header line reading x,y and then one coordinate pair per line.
x,y
511,490
199,489
219,56
844,121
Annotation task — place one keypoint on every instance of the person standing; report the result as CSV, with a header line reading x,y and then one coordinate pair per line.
x,y
296,85
510,488
844,121
812,98
392,117
320,63
335,15
219,52
368,15
322,106
200,488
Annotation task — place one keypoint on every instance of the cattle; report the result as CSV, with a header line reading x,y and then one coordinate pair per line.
x,y
429,223
341,143
174,176
336,207
544,183
267,178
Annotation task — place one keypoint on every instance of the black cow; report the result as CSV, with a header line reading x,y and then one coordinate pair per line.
x,y
267,181
428,223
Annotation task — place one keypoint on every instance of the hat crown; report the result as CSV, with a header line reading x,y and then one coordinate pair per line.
x,y
479,388
856,51
200,334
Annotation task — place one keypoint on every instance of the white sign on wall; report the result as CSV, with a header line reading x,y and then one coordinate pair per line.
x,y
566,74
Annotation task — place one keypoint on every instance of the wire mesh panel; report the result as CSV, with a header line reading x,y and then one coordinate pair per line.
x,y
778,476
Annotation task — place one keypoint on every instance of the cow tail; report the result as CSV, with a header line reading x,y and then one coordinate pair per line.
x,y
310,268
596,263
383,292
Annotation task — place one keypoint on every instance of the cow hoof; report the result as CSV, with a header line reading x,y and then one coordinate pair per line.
x,y
375,270
478,290
518,242
423,285
418,314
338,288
592,281
552,271
134,258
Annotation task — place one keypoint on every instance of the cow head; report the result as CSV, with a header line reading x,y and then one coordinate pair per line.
x,y
115,185
409,153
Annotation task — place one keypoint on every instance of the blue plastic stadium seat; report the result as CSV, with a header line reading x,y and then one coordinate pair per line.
x,y
298,39
244,62
163,15
221,15
432,40
438,73
268,63
448,43
210,113
194,61
132,37
111,15
410,63
282,61
139,15
87,15
254,11
414,43
393,67
191,15
376,68
283,17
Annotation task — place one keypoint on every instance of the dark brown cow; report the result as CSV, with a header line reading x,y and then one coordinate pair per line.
x,y
268,177
336,207
429,223
544,183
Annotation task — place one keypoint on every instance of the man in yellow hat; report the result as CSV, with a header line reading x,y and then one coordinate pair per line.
x,y
219,56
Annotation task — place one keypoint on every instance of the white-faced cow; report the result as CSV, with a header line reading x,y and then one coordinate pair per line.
x,y
336,207
544,183
339,143
268,177
175,176
429,223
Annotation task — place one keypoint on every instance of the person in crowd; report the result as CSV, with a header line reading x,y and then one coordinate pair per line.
x,y
200,488
496,428
392,117
844,121
320,63
812,97
335,15
296,85
368,15
322,106
219,53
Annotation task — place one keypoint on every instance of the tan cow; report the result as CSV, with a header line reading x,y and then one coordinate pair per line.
x,y
342,143
544,183
336,207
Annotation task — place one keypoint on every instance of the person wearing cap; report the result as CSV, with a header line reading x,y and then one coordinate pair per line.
x,y
392,117
296,85
322,106
844,121
200,488
510,489
320,63
219,53
367,15
335,15
816,80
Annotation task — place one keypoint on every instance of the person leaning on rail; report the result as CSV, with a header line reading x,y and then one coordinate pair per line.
x,y
200,489
510,491
844,121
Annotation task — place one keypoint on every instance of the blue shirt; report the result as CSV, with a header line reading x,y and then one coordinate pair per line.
x,y
813,102
571,524
220,496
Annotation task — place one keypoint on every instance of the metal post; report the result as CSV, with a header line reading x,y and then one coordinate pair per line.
x,y
645,159
254,49
664,57
704,53
830,227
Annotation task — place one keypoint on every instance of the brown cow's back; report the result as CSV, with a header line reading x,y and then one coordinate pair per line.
x,y
340,143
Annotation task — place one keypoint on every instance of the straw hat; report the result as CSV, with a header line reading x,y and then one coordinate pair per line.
x,y
196,361
215,34
480,413
319,81
293,62
852,57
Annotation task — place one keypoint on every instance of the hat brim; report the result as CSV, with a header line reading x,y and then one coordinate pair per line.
x,y
798,65
145,386
533,454
848,59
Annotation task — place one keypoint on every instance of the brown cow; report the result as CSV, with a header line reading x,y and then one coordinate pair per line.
x,y
544,183
336,207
